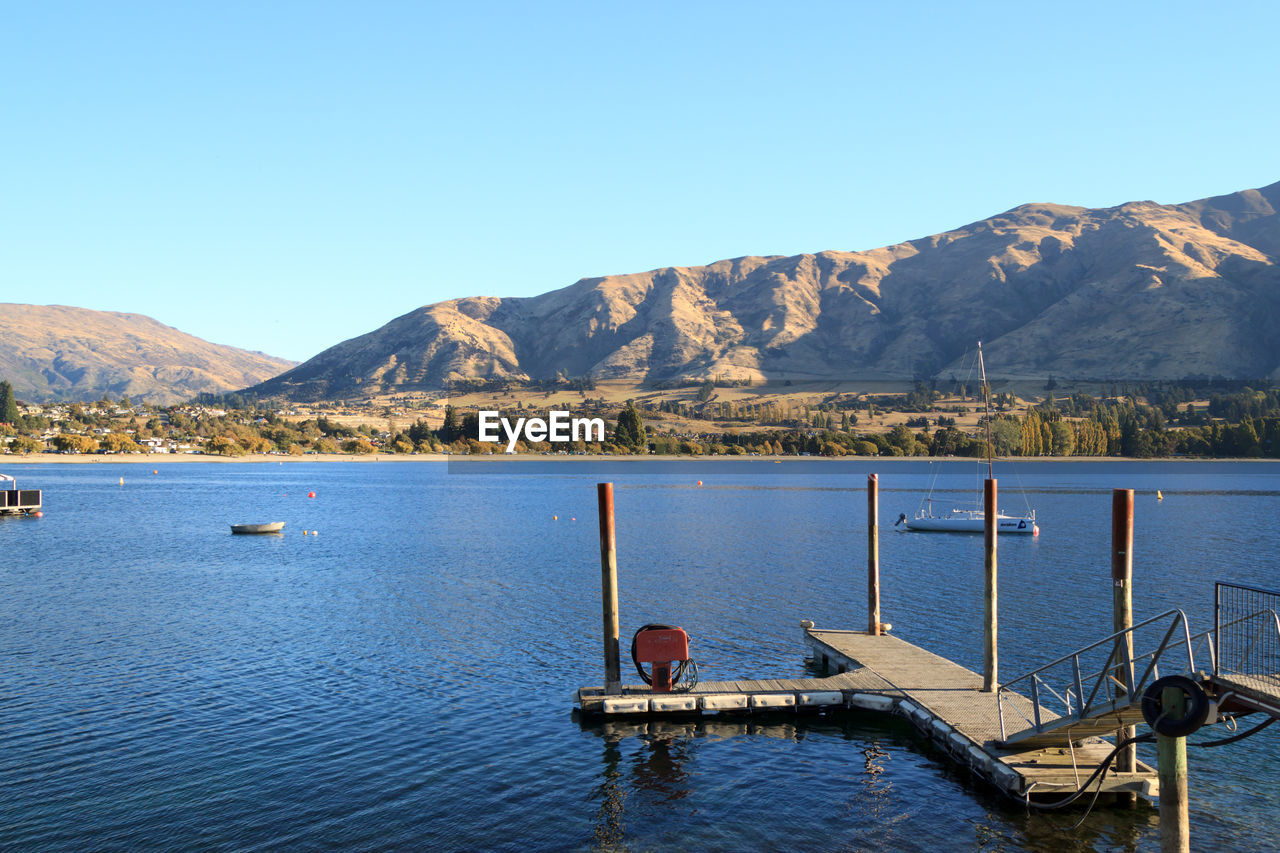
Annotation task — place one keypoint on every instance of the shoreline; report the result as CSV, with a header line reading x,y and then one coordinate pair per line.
x,y
497,458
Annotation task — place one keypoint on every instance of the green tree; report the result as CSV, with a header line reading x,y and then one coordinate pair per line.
x,y
450,430
1246,435
902,438
8,405
1006,436
630,432
1064,439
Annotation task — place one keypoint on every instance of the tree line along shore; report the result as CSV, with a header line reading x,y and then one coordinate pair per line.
x,y
1143,422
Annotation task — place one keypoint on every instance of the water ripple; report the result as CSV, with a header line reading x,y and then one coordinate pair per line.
x,y
402,680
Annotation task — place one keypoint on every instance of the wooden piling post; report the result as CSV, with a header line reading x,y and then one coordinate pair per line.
x,y
989,657
1122,613
1175,829
873,555
609,590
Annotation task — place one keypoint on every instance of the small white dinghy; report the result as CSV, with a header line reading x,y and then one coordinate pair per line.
x,y
268,527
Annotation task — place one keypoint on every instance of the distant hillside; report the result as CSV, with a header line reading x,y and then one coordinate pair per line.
x,y
1138,291
58,353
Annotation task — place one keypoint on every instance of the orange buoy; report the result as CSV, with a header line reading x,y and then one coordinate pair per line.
x,y
38,514
699,482
311,494
155,472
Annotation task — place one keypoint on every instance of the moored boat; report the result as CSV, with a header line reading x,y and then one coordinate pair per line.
x,y
267,527
971,520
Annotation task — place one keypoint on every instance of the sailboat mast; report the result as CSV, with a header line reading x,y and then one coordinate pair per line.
x,y
986,403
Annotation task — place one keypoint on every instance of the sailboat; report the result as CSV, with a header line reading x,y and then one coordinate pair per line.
x,y
971,520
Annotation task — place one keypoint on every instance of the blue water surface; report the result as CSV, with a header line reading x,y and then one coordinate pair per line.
x,y
401,677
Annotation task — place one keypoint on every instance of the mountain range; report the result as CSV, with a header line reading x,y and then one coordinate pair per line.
x,y
55,352
1141,291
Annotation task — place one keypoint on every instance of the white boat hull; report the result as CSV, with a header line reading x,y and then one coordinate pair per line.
x,y
269,527
973,524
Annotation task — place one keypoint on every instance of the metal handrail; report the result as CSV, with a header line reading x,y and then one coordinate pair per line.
x,y
1275,618
1229,596
1118,660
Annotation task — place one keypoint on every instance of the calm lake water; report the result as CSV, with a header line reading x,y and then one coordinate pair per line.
x,y
404,679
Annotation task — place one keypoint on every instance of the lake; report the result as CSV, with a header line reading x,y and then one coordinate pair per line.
x,y
403,679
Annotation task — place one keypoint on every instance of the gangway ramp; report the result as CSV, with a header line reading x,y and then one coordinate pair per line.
x,y
1097,689
946,701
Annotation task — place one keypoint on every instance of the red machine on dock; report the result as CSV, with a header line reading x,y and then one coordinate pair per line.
x,y
661,646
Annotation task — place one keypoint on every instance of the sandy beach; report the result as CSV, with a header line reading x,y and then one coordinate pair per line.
x,y
184,458
266,459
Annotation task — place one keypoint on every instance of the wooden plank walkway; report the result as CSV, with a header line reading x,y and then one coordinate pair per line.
x,y
940,698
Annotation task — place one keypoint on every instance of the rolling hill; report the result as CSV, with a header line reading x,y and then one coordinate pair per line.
x,y
54,352
1141,291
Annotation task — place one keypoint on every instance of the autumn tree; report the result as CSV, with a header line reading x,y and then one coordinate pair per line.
x,y
71,443
119,443
225,445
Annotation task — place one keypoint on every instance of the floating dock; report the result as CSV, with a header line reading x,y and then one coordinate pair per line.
x,y
15,501
884,674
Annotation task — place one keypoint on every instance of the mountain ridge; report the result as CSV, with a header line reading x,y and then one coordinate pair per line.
x,y
1140,290
61,352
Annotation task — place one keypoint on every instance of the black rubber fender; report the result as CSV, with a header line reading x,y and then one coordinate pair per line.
x,y
1153,706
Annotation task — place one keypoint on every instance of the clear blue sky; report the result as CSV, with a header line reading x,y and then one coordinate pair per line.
x,y
282,176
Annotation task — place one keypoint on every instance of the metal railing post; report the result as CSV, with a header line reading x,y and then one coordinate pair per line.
x,y
1075,661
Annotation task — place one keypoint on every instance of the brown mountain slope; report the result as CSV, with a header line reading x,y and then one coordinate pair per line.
x,y
52,352
1139,291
